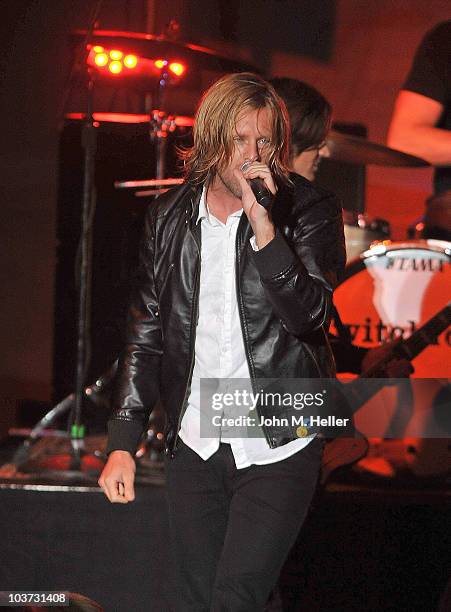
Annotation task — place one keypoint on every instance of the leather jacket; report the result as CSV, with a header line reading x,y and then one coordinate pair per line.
x,y
284,294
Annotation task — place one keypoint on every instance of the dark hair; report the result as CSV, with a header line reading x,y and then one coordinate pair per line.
x,y
309,111
437,218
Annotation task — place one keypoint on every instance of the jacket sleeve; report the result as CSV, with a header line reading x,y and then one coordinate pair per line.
x,y
299,276
137,381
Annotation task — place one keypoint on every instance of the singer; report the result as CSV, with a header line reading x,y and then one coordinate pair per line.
x,y
228,289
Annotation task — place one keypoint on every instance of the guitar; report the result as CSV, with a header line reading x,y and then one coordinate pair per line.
x,y
346,451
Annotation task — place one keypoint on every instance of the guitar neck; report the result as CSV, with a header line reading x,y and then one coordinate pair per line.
x,y
427,334
411,347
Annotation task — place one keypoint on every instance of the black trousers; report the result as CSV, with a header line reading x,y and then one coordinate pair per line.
x,y
231,530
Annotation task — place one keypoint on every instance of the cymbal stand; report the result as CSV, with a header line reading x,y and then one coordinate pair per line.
x,y
161,124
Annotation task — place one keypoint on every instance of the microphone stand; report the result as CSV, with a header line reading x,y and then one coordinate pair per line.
x,y
89,139
76,427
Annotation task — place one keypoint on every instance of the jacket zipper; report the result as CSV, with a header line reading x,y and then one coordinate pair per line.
x,y
238,244
194,312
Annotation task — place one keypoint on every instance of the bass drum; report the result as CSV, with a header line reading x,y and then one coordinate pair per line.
x,y
388,293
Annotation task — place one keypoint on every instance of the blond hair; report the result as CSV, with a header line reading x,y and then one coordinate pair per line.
x,y
215,120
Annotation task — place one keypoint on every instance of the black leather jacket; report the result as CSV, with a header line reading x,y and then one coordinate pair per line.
x,y
284,294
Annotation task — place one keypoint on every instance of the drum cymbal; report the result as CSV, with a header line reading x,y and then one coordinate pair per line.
x,y
356,150
149,45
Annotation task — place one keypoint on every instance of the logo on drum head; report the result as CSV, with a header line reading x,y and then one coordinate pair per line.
x,y
416,265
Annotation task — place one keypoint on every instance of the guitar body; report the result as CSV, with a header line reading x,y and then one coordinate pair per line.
x,y
420,457
415,406
413,432
340,452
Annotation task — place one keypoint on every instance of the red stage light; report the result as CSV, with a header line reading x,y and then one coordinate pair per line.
x,y
101,59
177,68
114,61
115,67
116,55
130,61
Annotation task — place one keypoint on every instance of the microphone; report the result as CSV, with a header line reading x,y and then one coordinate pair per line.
x,y
262,194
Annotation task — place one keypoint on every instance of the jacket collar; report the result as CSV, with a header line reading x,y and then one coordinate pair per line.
x,y
195,197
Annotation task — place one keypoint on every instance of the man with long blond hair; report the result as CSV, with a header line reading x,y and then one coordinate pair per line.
x,y
228,289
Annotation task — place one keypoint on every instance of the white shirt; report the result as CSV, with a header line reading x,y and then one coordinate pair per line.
x,y
219,347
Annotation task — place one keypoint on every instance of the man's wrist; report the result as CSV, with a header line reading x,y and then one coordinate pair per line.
x,y
123,453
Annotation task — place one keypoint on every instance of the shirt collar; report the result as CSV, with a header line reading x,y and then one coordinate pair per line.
x,y
203,210
204,213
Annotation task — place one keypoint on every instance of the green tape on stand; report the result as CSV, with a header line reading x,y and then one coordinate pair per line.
x,y
77,431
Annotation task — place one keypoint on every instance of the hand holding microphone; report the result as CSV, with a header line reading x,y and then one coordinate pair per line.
x,y
261,192
257,198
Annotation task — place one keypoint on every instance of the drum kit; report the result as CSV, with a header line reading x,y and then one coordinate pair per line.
x,y
389,289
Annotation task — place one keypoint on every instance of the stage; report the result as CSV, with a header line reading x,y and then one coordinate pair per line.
x,y
363,548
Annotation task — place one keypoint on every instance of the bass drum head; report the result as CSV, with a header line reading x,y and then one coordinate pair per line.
x,y
389,292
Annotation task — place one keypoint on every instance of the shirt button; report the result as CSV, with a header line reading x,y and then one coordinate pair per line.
x,y
302,432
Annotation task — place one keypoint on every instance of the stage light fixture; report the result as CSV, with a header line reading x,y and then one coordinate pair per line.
x,y
101,59
177,68
113,61
130,61
115,67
